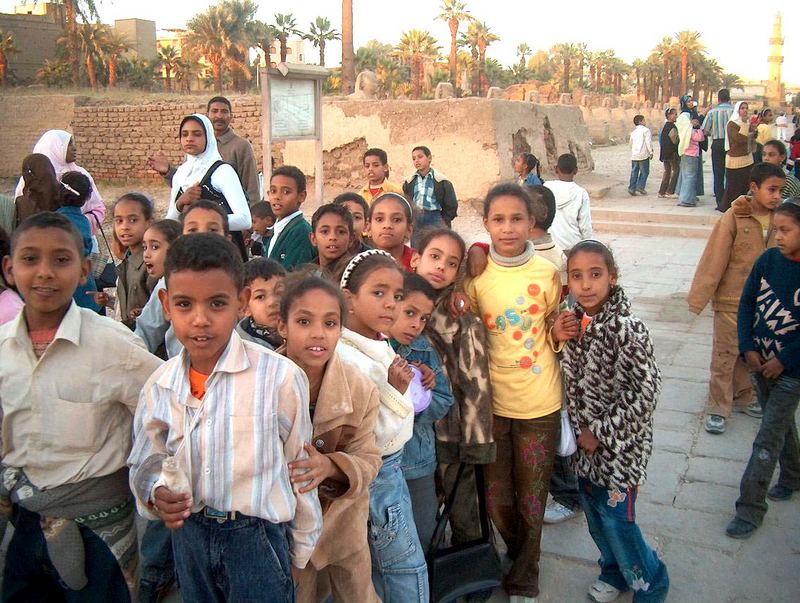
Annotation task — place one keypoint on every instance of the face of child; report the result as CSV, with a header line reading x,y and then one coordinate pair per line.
x,y
359,219
262,225
389,225
743,111
265,301
768,195
772,155
374,169
72,151
203,308
672,116
46,267
519,165
203,220
413,313
193,137
508,223
373,307
422,162
439,262
767,117
312,328
589,280
129,223
284,196
155,246
787,236
331,238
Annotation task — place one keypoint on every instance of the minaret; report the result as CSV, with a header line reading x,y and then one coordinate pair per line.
x,y
774,90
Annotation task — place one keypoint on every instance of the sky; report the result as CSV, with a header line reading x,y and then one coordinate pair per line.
x,y
630,27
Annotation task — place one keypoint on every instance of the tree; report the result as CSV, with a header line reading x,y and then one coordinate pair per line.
x,y
368,57
453,13
139,73
484,37
390,77
582,52
85,9
415,46
565,53
114,45
237,35
187,67
57,72
204,37
348,54
731,81
496,74
470,40
285,26
7,47
541,66
638,66
665,49
168,57
690,48
319,33
262,36
91,37
523,52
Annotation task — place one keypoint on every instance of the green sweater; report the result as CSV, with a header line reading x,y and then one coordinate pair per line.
x,y
293,246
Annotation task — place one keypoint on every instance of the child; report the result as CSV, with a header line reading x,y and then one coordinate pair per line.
x,y
738,238
774,152
573,220
359,210
390,225
42,190
10,302
233,415
376,168
332,235
527,169
515,295
70,378
768,339
612,357
344,458
263,222
434,400
641,140
265,279
689,148
373,284
289,243
432,193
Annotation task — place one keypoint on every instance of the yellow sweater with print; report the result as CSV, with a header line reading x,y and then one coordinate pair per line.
x,y
513,303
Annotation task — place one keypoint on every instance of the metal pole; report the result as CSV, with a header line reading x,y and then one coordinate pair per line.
x,y
266,129
319,176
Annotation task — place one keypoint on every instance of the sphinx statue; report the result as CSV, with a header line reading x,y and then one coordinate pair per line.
x,y
366,86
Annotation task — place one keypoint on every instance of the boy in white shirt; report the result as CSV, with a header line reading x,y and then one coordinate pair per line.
x,y
573,221
641,153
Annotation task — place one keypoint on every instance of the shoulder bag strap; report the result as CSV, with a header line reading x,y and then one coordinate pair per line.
x,y
103,234
441,522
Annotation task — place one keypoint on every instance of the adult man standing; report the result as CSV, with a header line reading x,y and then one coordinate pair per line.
x,y
714,127
234,149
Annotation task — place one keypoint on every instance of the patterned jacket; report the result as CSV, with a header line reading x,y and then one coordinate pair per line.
x,y
612,383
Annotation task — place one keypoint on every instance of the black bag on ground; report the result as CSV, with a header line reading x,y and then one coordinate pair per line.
x,y
212,194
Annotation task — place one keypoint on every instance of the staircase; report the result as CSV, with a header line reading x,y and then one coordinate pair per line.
x,y
667,222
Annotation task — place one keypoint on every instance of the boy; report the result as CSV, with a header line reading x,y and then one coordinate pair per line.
x,y
265,279
241,411
263,221
432,194
331,235
69,385
205,216
573,220
289,244
738,238
641,140
359,210
376,167
774,152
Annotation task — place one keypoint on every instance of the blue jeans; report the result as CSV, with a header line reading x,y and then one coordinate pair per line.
x,y
776,442
687,182
640,170
399,572
29,574
626,561
245,559
426,220
156,560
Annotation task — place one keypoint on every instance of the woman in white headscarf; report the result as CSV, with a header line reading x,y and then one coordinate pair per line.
x,y
690,136
739,136
197,141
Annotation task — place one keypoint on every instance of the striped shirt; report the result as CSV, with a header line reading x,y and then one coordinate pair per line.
x,y
253,421
717,120
423,192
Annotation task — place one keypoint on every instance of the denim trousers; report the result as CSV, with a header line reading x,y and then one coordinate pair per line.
x,y
157,565
564,483
29,575
626,561
776,443
244,559
424,505
687,182
399,571
640,170
425,220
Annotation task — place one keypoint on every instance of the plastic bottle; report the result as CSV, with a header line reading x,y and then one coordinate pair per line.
x,y
174,476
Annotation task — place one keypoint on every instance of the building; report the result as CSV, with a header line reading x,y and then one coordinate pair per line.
x,y
35,28
295,53
774,91
141,35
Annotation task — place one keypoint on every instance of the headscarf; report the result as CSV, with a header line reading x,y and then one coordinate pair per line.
x,y
735,119
42,190
685,103
192,170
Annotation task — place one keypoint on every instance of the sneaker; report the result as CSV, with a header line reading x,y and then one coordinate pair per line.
x,y
631,193
602,592
754,410
687,204
779,492
715,424
521,599
555,512
642,192
740,529
662,196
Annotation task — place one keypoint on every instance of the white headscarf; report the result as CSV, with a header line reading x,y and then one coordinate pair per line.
x,y
191,171
735,119
53,144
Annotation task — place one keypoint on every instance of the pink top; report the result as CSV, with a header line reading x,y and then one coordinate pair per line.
x,y
693,150
10,305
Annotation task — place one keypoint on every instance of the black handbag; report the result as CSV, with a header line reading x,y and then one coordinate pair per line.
x,y
106,277
467,568
209,192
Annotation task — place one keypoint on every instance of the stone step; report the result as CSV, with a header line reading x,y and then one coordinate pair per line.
x,y
698,217
653,229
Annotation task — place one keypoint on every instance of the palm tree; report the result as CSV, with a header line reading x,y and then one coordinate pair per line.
x,y
285,26
186,69
390,76
7,47
731,81
54,73
262,36
638,67
523,52
485,37
168,56
582,52
414,47
319,33
92,38
453,13
348,54
470,40
690,48
204,37
566,53
665,50
114,45
85,9
237,34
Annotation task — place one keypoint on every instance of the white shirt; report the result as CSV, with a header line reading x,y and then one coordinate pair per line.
x,y
641,143
573,219
224,180
279,227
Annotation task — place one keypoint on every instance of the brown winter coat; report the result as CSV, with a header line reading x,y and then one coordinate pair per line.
x,y
733,247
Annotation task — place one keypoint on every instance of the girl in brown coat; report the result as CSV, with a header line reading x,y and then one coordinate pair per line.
x,y
343,457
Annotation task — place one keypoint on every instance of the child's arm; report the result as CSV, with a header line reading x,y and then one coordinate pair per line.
x,y
225,180
712,264
585,216
151,326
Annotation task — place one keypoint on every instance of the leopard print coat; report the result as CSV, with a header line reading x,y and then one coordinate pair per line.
x,y
612,383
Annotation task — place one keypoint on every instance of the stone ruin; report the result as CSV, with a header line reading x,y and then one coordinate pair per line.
x,y
444,90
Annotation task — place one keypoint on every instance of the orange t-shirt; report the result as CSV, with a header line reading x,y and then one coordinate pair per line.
x,y
41,340
197,383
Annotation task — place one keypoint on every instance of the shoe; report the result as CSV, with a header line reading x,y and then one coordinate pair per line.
x,y
779,492
602,592
687,204
152,592
754,410
642,192
631,193
521,599
555,512
662,195
715,424
740,529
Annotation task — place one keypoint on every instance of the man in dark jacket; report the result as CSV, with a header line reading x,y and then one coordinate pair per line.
x,y
431,193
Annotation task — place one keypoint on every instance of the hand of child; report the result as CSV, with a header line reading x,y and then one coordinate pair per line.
x,y
754,361
457,304
400,374
772,368
135,312
189,196
476,261
315,469
173,508
428,376
565,326
102,298
587,440
159,163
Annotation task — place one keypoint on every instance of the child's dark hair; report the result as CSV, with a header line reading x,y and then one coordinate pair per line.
x,y
364,264
507,189
763,171
218,99
77,187
567,163
330,208
352,198
171,229
638,119
543,205
48,219
778,146
210,206
375,152
414,282
429,235
294,173
409,213
5,249
297,287
262,209
262,268
141,199
531,163
791,208
592,246
422,148
204,251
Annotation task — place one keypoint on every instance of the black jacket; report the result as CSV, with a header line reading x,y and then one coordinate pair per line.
x,y
443,192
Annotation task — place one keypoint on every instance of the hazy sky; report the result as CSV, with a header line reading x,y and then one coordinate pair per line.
x,y
739,41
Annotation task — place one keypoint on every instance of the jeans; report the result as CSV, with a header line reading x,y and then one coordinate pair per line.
x,y
626,561
157,562
640,170
670,178
29,574
776,443
245,559
564,483
399,571
690,166
424,505
718,167
426,220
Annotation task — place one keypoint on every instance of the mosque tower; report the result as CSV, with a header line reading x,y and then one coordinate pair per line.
x,y
774,89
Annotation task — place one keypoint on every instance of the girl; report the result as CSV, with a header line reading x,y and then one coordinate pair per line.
x,y
42,190
373,284
739,136
344,458
10,302
690,136
514,296
765,131
611,384
390,225
528,170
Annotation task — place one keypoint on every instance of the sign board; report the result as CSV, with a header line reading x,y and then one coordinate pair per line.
x,y
292,108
